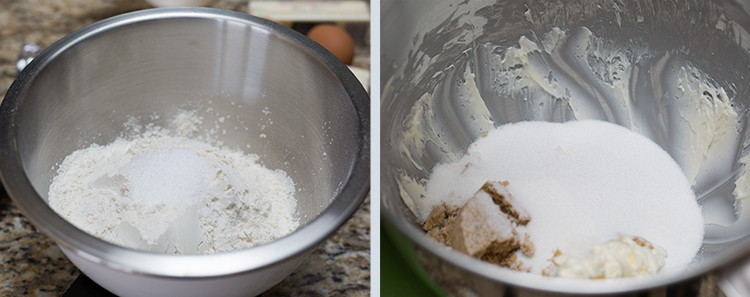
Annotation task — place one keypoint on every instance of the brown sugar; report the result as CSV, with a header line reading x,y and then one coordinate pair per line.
x,y
502,198
484,228
513,263
439,225
527,247
642,242
483,232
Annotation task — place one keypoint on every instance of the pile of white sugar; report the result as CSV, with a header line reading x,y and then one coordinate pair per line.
x,y
583,183
165,193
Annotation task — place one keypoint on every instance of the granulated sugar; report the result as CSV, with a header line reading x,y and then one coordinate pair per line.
x,y
583,183
166,193
167,175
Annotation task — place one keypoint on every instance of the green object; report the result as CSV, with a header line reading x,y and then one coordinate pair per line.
x,y
400,271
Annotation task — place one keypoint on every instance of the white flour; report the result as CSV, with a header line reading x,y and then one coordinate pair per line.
x,y
165,193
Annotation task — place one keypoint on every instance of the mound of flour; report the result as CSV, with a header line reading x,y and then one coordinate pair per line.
x,y
172,194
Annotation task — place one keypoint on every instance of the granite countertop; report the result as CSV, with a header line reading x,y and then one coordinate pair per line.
x,y
33,265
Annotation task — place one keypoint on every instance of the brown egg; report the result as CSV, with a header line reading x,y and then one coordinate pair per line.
x,y
335,40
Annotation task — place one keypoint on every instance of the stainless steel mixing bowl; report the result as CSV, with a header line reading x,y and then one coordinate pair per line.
x,y
272,91
426,47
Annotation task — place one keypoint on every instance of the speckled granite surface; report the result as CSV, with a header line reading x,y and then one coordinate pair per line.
x,y
33,265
